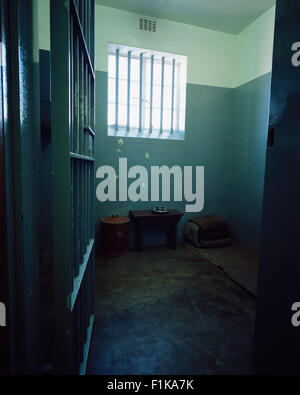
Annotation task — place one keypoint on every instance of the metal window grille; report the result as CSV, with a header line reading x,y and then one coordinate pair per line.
x,y
147,84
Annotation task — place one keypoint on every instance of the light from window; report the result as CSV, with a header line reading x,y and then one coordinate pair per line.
x,y
146,93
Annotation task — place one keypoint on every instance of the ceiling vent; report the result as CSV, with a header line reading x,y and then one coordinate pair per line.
x,y
147,24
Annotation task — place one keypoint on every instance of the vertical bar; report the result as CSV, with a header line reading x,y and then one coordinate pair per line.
x,y
60,123
117,90
71,61
85,20
86,205
72,220
76,93
162,92
151,91
178,97
173,95
128,90
86,110
82,102
92,32
81,163
77,219
141,94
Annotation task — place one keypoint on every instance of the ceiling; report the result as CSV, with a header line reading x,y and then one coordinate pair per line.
x,y
230,16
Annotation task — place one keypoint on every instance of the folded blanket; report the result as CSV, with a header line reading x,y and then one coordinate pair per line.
x,y
191,234
214,234
209,222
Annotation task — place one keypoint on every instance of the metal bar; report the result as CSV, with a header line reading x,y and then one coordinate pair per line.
x,y
82,246
173,95
81,120
86,346
76,94
86,108
89,130
73,219
71,65
92,30
85,21
78,27
86,203
77,229
117,91
141,94
60,125
162,93
79,278
128,90
151,91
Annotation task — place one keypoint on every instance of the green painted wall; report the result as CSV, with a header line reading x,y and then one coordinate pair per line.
x,y
249,140
229,139
208,142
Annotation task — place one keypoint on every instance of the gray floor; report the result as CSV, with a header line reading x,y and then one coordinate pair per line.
x,y
165,312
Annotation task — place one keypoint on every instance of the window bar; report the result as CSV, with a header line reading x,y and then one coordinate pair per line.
x,y
178,98
141,93
128,91
173,95
162,92
151,92
117,90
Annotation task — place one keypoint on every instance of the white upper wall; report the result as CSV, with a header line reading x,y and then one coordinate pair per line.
x,y
44,24
254,49
210,53
214,58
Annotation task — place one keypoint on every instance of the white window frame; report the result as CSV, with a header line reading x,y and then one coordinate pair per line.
x,y
170,127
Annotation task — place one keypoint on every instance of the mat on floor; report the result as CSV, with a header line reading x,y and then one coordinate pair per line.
x,y
240,263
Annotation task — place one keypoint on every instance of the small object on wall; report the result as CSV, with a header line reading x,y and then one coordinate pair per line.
x,y
114,235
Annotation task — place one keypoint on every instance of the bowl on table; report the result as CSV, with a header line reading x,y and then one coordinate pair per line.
x,y
160,210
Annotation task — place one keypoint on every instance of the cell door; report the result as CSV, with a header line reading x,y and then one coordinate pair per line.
x,y
4,292
276,346
72,124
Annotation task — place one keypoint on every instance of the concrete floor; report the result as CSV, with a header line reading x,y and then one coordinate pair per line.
x,y
165,312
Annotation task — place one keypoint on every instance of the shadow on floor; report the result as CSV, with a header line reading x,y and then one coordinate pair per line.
x,y
165,312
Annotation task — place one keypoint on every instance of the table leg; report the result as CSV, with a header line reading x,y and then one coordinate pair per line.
x,y
139,236
173,236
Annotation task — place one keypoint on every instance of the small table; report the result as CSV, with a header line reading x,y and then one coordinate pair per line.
x,y
143,218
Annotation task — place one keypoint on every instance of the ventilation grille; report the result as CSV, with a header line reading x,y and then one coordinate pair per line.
x,y
146,24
